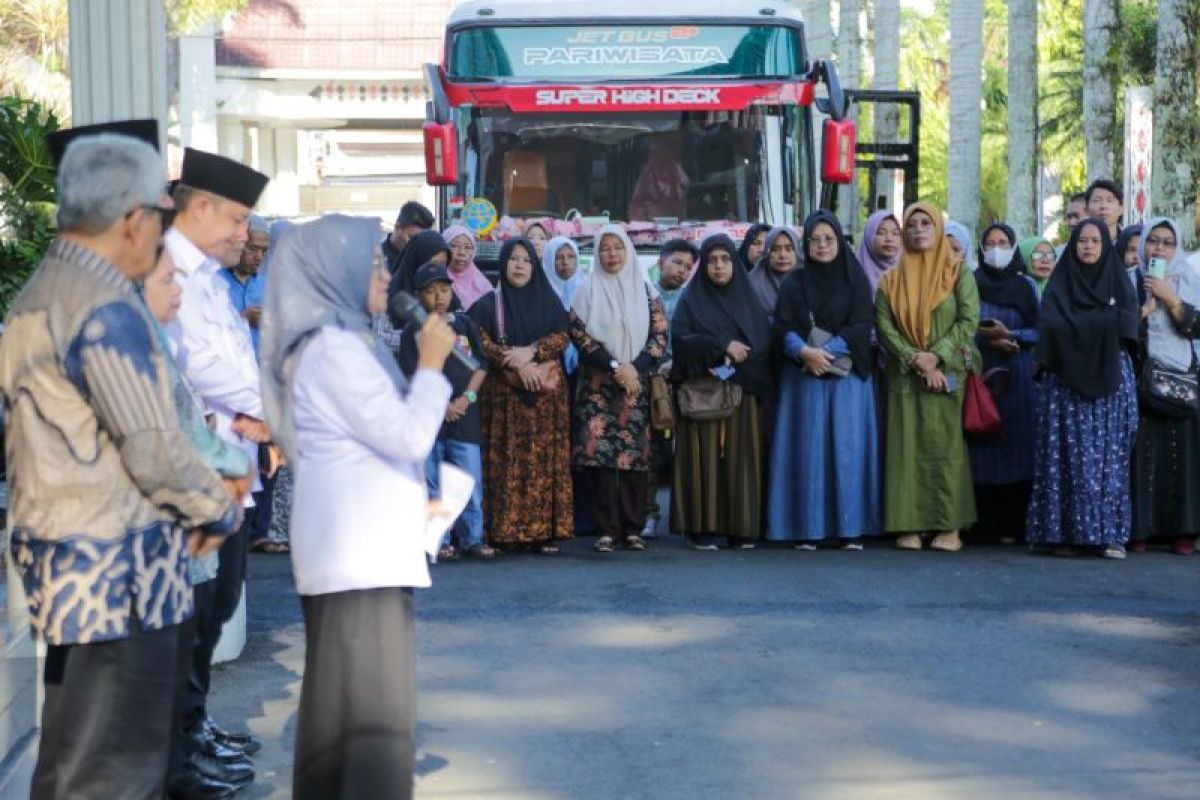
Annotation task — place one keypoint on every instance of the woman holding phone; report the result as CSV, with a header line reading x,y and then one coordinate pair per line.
x,y
1002,466
1166,463
926,313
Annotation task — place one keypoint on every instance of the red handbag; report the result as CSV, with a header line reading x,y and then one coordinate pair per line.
x,y
980,418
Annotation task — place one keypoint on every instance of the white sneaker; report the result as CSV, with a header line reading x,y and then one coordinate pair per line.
x,y
809,546
1114,551
852,545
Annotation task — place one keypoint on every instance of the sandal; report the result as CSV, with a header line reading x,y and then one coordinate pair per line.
x,y
635,543
548,550
481,551
448,553
603,545
270,547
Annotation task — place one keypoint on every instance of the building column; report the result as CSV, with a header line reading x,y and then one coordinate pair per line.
x,y
198,89
118,56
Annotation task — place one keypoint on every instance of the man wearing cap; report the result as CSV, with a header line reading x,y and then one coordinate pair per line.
x,y
214,197
461,436
105,484
413,219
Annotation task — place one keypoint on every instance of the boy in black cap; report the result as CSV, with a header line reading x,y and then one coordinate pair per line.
x,y
458,442
214,198
413,219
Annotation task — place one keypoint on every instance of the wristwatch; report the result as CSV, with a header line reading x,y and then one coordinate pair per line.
x,y
471,396
614,365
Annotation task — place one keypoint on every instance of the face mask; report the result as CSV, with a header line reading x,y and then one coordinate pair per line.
x,y
998,257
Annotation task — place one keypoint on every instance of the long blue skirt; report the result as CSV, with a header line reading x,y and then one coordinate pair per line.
x,y
825,469
1081,465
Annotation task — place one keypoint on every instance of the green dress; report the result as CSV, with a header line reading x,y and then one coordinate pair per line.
x,y
927,475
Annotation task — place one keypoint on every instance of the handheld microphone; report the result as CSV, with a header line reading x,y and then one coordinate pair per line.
x,y
406,308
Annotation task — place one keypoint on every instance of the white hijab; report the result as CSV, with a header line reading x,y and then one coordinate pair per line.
x,y
1166,345
615,308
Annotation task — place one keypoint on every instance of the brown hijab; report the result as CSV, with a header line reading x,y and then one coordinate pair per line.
x,y
922,280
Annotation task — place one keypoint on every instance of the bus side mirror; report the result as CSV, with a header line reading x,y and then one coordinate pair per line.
x,y
838,139
441,153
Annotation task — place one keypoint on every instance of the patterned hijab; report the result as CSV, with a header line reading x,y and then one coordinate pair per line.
x,y
875,266
922,281
325,285
470,284
615,308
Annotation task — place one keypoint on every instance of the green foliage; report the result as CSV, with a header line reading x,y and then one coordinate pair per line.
x,y
185,16
26,191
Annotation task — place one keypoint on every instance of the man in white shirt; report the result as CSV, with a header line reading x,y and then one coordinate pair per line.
x,y
212,344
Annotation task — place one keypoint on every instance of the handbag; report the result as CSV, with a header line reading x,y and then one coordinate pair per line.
x,y
550,373
705,398
1169,392
662,407
980,419
819,337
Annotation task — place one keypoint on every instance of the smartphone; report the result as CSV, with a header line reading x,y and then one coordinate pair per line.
x,y
1157,268
951,384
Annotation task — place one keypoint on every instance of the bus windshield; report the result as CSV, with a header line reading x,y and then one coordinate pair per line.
x,y
625,52
653,167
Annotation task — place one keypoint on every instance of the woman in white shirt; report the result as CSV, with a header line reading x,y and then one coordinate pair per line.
x,y
357,435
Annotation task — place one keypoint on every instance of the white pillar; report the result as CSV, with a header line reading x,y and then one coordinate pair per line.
x,y
284,188
118,55
198,89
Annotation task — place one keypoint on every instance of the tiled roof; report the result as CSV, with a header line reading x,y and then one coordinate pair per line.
x,y
335,34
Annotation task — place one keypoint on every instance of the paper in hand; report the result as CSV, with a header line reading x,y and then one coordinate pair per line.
x,y
456,487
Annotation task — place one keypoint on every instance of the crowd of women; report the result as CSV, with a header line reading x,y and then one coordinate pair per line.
x,y
804,391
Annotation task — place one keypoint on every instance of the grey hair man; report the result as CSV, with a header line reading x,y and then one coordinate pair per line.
x,y
106,484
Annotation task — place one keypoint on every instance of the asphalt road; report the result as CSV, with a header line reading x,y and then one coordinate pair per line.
x,y
990,673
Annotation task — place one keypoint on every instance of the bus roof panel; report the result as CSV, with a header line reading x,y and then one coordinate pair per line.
x,y
618,11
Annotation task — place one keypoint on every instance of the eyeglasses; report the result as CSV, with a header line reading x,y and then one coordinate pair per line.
x,y
167,215
1154,241
822,240
1042,257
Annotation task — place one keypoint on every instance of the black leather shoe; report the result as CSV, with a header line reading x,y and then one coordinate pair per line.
x,y
190,784
236,773
234,741
200,741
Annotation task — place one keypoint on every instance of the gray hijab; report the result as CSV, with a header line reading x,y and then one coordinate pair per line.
x,y
329,263
765,281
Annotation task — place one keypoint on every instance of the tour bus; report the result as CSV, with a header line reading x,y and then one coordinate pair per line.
x,y
669,117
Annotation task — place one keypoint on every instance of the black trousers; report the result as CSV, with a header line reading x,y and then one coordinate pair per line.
x,y
620,502
1002,509
355,726
216,602
258,519
108,717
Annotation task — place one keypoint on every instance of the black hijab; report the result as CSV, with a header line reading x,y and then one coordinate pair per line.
x,y
709,317
744,250
419,251
836,296
1007,287
530,312
1087,310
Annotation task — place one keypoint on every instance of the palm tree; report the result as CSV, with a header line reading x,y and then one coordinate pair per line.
x,y
1176,110
1022,116
966,119
1101,57
886,25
